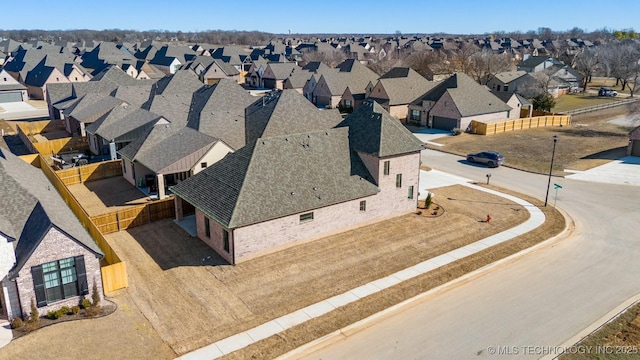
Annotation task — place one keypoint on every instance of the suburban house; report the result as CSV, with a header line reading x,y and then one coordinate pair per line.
x,y
511,81
454,102
87,110
104,55
299,79
285,112
10,89
169,58
281,190
276,73
520,105
46,256
256,72
219,111
119,127
634,142
331,86
168,154
532,64
219,70
234,55
396,89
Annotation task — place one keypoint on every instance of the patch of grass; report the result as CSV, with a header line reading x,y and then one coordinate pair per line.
x,y
622,333
577,101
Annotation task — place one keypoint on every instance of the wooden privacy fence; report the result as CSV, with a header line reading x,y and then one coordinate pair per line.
x,y
96,171
49,147
519,124
134,216
114,275
37,127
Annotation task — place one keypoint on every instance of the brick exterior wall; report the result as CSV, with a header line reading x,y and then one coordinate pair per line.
x,y
10,300
56,246
258,239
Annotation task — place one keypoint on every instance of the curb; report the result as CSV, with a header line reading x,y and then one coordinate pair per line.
x,y
377,317
595,326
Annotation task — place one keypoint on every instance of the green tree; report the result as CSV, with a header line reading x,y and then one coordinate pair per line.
x,y
543,102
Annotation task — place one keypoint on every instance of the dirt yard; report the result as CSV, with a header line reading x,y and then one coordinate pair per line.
x,y
169,270
183,296
622,334
105,195
125,334
590,141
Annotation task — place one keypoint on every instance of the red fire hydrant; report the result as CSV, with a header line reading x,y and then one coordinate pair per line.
x,y
488,218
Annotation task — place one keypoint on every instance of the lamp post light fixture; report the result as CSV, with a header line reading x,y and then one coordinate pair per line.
x,y
488,177
553,154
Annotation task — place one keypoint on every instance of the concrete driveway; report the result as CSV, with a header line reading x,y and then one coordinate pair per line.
x,y
622,171
427,135
21,110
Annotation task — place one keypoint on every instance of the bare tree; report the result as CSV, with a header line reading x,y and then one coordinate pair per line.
x,y
331,59
621,60
536,85
586,63
485,64
426,63
461,58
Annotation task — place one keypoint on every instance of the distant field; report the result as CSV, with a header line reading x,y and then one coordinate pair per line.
x,y
577,101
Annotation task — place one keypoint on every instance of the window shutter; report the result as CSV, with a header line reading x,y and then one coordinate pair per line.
x,y
81,273
38,286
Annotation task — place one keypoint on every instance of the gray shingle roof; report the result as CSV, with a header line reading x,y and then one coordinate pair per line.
x,y
32,205
469,97
286,112
218,111
404,85
123,123
372,130
279,176
164,145
92,106
509,76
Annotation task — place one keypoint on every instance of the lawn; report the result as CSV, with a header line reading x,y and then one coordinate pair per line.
x,y
622,334
576,101
590,141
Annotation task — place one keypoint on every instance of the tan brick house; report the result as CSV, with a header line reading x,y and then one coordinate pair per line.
x,y
281,190
46,256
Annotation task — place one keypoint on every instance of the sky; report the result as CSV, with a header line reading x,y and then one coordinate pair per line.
x,y
323,16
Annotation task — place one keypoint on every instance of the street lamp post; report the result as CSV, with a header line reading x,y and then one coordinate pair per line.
x,y
553,154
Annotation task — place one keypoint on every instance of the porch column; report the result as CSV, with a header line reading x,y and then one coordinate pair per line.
x,y
82,131
161,194
112,150
178,204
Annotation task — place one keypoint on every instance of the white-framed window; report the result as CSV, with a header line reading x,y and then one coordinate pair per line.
x,y
59,280
387,167
363,205
415,115
398,180
410,193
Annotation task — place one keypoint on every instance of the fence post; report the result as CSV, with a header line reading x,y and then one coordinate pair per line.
x,y
118,220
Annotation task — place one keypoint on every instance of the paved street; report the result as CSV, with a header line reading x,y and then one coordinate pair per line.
x,y
541,299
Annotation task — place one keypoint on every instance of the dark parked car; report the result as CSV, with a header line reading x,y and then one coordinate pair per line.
x,y
491,158
605,91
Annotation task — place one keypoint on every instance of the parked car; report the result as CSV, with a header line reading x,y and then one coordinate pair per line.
x,y
491,158
605,91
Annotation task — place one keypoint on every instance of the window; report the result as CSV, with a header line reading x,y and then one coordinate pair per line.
x,y
207,227
410,193
399,180
60,279
387,165
415,115
347,103
506,88
498,88
306,217
203,165
363,205
225,240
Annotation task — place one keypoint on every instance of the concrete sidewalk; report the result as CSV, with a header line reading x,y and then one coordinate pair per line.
x,y
435,179
5,333
624,171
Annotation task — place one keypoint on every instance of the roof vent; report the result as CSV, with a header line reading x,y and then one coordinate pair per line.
x,y
292,193
315,188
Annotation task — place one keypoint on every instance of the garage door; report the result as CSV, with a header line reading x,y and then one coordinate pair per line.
x,y
635,148
443,123
10,97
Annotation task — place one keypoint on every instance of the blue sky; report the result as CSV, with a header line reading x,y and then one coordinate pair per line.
x,y
328,16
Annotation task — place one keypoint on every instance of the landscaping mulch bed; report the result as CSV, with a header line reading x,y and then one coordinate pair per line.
x,y
107,308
